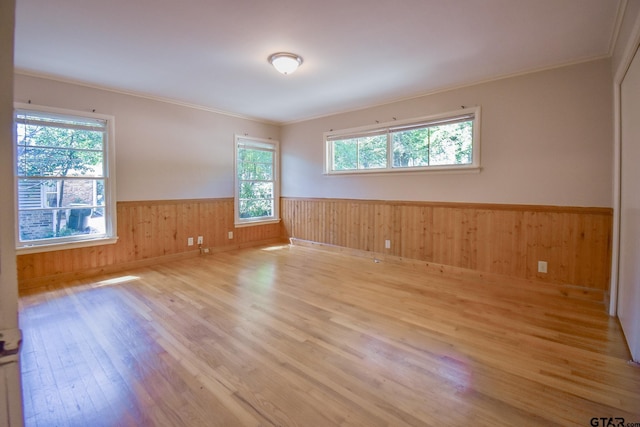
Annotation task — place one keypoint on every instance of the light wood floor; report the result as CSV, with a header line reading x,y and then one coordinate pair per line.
x,y
296,336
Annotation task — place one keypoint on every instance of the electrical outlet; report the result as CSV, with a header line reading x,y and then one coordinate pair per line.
x,y
387,244
542,266
190,241
230,235
200,240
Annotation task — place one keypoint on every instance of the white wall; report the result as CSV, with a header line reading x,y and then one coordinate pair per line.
x,y
163,151
546,139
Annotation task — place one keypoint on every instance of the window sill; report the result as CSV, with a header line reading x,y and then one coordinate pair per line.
x,y
408,171
50,247
256,222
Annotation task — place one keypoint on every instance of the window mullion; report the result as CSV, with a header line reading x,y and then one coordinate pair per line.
x,y
389,150
48,147
428,146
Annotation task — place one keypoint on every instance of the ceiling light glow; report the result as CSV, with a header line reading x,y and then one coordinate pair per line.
x,y
285,63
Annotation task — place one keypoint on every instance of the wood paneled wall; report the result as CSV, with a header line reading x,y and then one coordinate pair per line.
x,y
502,239
494,238
148,232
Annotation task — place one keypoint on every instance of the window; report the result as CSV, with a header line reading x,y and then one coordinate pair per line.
x,y
448,141
64,179
256,181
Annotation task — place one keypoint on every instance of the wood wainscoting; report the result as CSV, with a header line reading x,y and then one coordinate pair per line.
x,y
148,232
504,239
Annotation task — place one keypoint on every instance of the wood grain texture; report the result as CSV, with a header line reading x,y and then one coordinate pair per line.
x,y
292,336
503,239
148,232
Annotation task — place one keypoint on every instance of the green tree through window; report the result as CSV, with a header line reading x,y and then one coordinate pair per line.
x,y
448,144
365,152
61,175
449,141
256,180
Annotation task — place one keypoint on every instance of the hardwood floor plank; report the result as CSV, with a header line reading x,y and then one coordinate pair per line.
x,y
293,336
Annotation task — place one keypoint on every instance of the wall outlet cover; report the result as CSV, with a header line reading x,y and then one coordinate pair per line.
x,y
542,266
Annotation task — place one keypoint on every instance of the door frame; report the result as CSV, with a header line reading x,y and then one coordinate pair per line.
x,y
625,63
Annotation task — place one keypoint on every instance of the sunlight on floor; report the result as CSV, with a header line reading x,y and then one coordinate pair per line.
x,y
116,281
276,248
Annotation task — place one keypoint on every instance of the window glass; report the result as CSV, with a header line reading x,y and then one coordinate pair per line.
x,y
446,141
61,177
256,181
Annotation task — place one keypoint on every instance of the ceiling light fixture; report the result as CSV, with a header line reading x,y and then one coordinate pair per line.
x,y
284,62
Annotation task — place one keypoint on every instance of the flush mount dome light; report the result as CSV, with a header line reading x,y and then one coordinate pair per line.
x,y
286,63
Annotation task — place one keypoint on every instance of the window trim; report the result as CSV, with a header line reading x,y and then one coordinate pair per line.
x,y
387,127
110,208
275,218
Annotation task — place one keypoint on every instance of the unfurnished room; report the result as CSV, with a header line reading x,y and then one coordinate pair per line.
x,y
305,213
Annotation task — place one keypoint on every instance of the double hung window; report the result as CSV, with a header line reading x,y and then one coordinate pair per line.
x,y
256,181
64,177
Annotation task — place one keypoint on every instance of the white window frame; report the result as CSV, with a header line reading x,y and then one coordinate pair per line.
x,y
386,128
109,156
261,143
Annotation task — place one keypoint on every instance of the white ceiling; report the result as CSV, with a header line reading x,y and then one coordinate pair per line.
x,y
213,53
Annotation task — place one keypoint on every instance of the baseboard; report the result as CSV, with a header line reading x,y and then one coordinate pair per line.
x,y
569,291
53,280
